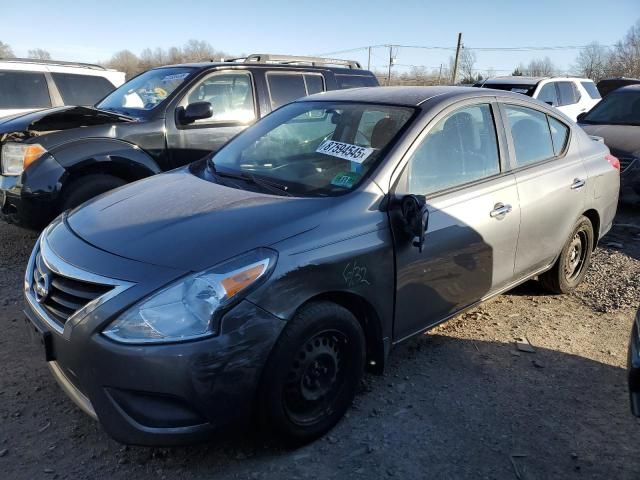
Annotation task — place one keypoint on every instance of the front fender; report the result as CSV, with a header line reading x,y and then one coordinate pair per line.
x,y
90,152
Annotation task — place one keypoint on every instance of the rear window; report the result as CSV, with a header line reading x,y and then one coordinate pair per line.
x,y
513,87
591,89
355,81
23,90
82,89
287,87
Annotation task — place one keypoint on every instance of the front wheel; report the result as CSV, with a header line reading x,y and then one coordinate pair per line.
x,y
313,373
571,267
86,187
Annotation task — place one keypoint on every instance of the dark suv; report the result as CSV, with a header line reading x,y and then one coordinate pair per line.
x,y
57,158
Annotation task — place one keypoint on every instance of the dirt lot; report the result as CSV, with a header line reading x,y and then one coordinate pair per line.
x,y
459,402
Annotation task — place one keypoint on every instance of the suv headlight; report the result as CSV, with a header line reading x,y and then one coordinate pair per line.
x,y
187,308
16,157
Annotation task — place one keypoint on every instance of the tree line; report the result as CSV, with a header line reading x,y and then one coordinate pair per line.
x,y
594,61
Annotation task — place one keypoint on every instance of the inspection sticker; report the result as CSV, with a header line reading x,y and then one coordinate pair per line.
x,y
345,179
346,151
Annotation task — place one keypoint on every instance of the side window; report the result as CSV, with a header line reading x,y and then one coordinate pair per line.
x,y
285,88
567,93
355,81
591,89
230,96
314,83
559,135
82,89
460,148
548,94
530,134
23,90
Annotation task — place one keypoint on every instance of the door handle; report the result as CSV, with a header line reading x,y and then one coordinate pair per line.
x,y
500,210
578,183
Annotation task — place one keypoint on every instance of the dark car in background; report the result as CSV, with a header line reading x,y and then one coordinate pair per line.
x,y
608,85
266,277
57,158
633,366
617,120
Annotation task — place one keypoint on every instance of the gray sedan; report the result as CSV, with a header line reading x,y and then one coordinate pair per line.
x,y
267,277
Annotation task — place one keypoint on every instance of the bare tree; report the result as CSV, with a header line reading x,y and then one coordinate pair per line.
x,y
466,62
199,50
592,62
625,55
5,51
540,67
125,61
39,54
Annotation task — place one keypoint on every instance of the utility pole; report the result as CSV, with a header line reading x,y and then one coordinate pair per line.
x,y
369,60
455,64
390,63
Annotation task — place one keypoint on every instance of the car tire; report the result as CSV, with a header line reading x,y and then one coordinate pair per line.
x,y
87,187
312,374
574,260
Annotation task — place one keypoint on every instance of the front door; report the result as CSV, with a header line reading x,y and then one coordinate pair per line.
x,y
232,98
470,243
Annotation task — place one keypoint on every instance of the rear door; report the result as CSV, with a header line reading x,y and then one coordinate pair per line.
x,y
471,239
551,181
569,99
232,97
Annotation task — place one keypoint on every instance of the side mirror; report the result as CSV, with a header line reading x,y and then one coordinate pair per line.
x,y
195,111
581,116
416,216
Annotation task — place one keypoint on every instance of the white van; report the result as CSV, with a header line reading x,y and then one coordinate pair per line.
x,y
27,84
570,95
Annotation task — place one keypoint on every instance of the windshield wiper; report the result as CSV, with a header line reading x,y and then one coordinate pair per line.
x,y
250,178
119,113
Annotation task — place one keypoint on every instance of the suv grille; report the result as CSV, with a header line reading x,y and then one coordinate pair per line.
x,y
60,296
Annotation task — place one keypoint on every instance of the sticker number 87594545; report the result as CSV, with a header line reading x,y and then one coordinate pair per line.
x,y
346,151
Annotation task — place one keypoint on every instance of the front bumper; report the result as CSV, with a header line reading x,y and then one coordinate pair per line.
x,y
33,199
162,394
630,183
633,364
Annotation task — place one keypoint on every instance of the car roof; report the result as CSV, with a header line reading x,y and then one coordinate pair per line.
x,y
404,96
516,79
628,88
284,66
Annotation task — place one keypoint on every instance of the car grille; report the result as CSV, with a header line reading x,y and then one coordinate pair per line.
x,y
61,297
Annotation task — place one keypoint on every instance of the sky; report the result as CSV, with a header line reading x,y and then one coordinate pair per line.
x,y
90,31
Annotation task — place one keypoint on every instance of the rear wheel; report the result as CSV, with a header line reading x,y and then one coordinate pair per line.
x,y
571,267
313,373
87,187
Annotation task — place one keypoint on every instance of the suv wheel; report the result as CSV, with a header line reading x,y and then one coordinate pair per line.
x,y
313,372
575,258
87,187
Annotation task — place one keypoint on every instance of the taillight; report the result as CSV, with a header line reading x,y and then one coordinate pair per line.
x,y
613,161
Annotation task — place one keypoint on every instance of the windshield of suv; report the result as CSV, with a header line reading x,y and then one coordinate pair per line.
x,y
313,148
145,91
617,108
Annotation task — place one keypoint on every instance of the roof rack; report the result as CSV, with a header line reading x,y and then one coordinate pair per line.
x,y
294,59
53,62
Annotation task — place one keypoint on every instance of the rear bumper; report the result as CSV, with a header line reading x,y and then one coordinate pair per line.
x,y
634,367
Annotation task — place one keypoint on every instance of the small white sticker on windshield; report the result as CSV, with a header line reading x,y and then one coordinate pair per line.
x,y
175,76
346,151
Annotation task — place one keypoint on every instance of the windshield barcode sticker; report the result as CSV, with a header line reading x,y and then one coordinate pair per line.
x,y
346,151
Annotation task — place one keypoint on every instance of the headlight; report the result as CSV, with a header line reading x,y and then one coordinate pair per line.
x,y
16,157
187,308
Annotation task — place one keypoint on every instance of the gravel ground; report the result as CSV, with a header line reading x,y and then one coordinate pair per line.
x,y
459,402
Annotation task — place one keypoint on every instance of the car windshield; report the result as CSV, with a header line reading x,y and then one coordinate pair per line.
x,y
618,108
313,148
522,88
145,91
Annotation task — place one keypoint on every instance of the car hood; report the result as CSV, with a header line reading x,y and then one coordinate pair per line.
x,y
50,120
181,221
621,139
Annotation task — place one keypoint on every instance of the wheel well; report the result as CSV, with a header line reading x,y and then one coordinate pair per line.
x,y
594,218
368,319
128,173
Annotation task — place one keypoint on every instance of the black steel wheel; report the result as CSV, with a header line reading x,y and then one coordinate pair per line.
x,y
574,260
313,373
